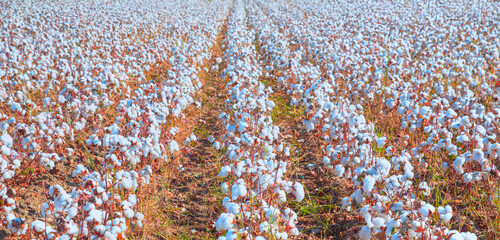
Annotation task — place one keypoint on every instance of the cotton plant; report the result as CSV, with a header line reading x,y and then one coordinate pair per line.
x,y
418,108
253,176
63,86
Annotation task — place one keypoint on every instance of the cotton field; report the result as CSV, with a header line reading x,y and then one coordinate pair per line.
x,y
250,119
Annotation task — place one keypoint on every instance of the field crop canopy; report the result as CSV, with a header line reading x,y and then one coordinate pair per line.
x,y
250,119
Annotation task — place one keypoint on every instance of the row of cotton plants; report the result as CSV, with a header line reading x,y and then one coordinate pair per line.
x,y
365,57
73,80
256,159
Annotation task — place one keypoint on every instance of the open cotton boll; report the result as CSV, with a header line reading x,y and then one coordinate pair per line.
x,y
378,222
339,170
368,184
224,171
281,236
280,196
381,141
17,226
238,189
298,191
467,177
216,145
224,222
224,187
233,208
40,227
390,103
272,214
446,213
173,146
365,233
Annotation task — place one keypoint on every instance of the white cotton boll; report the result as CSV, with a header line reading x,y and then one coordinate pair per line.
x,y
272,215
426,211
281,196
468,236
211,138
391,224
7,140
450,113
289,216
425,187
339,170
259,238
224,187
224,171
129,213
365,233
5,150
383,166
390,103
358,196
477,155
298,191
381,141
467,177
231,235
233,208
173,146
294,232
368,184
217,145
72,212
17,226
287,151
174,130
346,203
238,189
378,223
282,236
126,183
456,236
80,170
224,222
38,226
326,161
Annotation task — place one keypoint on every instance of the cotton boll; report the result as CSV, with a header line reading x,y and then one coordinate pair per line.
x,y
238,189
224,187
272,214
298,191
339,170
173,146
467,177
381,141
282,236
390,103
233,208
368,184
365,233
224,171
217,145
281,196
346,203
378,223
